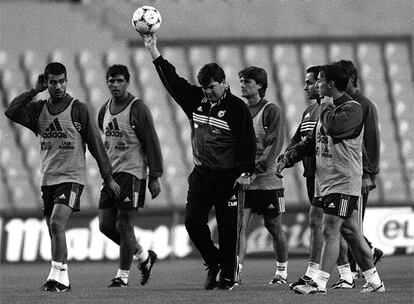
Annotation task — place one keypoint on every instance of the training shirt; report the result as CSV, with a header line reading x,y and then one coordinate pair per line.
x,y
26,112
222,133
130,139
337,144
268,125
62,151
309,119
372,142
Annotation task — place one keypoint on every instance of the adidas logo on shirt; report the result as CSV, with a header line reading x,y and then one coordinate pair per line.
x,y
331,205
54,130
112,129
127,200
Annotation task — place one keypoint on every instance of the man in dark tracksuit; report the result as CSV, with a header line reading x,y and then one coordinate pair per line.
x,y
224,148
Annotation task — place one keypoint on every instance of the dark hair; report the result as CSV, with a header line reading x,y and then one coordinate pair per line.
x,y
54,68
118,69
350,68
257,74
210,71
314,70
337,74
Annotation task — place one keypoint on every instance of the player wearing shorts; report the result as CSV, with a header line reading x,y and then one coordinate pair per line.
x,y
337,144
133,147
309,119
64,127
265,194
370,162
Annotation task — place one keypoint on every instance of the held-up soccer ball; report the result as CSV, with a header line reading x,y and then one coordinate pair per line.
x,y
146,20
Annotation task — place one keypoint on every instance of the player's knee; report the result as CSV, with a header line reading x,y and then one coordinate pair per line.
x,y
315,223
124,227
56,227
271,226
349,235
328,231
315,218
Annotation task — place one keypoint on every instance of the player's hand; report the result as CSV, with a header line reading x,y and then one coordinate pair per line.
x,y
150,42
154,187
367,185
244,181
113,187
281,164
41,83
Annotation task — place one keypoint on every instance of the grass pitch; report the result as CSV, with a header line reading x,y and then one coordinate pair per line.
x,y
181,281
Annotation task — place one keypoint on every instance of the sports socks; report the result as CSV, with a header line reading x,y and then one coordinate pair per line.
x,y
322,279
312,270
123,275
54,273
281,269
371,275
345,272
63,275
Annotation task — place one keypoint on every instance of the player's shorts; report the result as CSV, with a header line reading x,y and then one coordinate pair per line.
x,y
317,202
65,193
265,202
341,205
132,193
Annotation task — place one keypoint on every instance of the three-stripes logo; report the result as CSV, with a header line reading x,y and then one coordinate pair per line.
x,y
112,129
54,130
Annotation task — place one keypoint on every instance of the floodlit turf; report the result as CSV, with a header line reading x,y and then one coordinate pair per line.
x,y
182,282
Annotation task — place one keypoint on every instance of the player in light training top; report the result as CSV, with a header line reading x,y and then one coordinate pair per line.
x,y
64,127
337,144
224,148
309,119
265,195
133,147
370,161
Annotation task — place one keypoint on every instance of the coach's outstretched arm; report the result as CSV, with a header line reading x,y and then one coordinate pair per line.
x,y
150,42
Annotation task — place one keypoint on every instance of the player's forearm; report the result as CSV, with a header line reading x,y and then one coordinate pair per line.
x,y
97,150
15,110
154,52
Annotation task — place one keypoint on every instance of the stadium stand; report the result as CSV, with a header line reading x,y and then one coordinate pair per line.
x,y
385,63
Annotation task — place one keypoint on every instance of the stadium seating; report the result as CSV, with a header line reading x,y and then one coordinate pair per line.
x,y
386,77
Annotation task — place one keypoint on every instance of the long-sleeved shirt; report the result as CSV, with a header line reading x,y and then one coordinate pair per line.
x,y
337,144
268,122
141,122
25,111
310,118
372,142
222,133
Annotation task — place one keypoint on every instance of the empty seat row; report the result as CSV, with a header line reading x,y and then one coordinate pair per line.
x,y
285,64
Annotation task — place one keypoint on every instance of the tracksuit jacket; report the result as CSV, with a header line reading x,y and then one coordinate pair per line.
x,y
222,134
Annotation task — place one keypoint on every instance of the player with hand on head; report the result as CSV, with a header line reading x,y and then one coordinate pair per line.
x,y
265,195
64,127
133,147
337,143
370,161
309,119
224,147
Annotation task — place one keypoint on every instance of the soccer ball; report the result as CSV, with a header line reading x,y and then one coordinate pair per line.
x,y
146,20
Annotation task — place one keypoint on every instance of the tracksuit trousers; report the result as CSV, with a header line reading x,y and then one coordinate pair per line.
x,y
208,188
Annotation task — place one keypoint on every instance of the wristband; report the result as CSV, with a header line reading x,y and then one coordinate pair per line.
x,y
245,174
